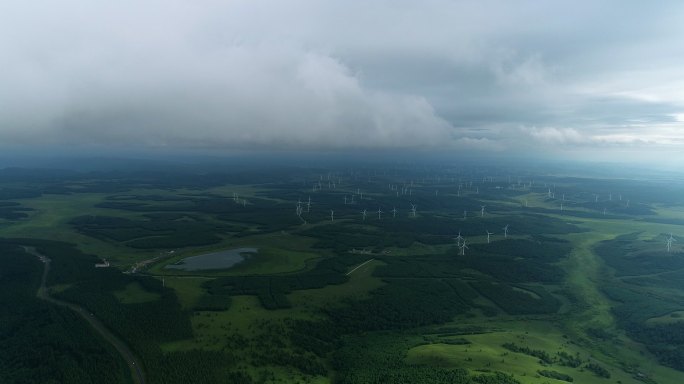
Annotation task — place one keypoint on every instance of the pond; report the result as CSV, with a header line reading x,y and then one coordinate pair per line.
x,y
215,260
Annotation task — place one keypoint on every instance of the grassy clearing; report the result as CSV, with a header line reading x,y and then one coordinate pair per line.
x,y
50,220
360,283
212,329
672,317
486,353
276,374
188,289
134,293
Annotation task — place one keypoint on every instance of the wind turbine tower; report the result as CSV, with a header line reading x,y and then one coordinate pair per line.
x,y
463,247
669,242
458,239
505,231
489,234
482,210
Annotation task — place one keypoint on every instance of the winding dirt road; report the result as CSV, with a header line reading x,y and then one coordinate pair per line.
x,y
133,364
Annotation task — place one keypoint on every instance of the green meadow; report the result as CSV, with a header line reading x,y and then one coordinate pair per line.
x,y
586,294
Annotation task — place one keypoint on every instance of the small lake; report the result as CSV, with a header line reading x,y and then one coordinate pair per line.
x,y
215,260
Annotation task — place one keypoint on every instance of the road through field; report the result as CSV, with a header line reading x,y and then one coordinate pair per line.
x,y
359,266
125,352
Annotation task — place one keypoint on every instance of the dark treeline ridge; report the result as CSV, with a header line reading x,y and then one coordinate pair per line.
x,y
144,326
43,342
631,258
555,375
158,231
13,211
529,261
379,358
518,302
271,290
542,355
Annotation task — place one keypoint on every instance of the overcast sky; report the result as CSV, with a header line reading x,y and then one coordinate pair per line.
x,y
603,79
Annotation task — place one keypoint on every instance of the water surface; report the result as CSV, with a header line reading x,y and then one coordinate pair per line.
x,y
215,260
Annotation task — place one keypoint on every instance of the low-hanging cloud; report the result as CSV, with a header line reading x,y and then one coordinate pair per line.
x,y
254,95
317,75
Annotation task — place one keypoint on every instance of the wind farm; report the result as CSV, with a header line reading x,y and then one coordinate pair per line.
x,y
481,303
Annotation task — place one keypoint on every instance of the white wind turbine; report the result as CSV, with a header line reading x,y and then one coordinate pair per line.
x,y
463,248
669,242
458,239
489,234
394,212
505,231
332,215
363,215
482,210
379,214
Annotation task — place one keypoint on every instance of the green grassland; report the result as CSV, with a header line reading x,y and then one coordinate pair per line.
x,y
134,293
385,299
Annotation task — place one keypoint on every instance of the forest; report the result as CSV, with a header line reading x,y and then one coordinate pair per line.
x,y
387,298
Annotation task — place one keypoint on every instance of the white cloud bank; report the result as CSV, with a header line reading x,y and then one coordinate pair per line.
x,y
320,75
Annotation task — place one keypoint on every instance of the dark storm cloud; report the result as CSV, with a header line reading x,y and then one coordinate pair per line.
x,y
494,75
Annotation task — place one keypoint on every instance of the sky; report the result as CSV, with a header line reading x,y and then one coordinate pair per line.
x,y
574,79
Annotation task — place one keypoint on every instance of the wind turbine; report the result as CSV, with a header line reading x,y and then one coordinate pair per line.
x,y
413,210
463,248
379,214
669,242
458,239
394,212
363,214
332,215
482,210
345,199
489,234
308,205
505,231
